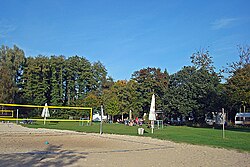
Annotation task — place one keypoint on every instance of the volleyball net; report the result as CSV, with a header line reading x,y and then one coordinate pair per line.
x,y
20,112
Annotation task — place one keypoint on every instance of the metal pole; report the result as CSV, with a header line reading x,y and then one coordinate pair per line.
x,y
223,123
91,115
101,120
152,126
17,116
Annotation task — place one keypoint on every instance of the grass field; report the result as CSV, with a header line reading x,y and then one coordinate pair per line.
x,y
234,138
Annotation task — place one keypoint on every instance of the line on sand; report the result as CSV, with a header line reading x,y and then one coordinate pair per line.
x,y
93,152
132,141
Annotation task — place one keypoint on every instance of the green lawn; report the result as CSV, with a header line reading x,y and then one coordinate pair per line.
x,y
234,138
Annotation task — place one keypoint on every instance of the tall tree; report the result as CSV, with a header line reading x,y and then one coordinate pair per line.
x,y
36,81
192,91
238,81
57,75
203,59
112,107
238,90
78,79
7,88
181,99
11,64
111,103
151,80
99,76
244,60
119,89
134,98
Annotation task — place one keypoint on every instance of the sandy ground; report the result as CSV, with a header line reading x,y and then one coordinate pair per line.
x,y
20,146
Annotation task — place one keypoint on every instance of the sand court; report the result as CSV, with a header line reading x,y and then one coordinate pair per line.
x,y
22,146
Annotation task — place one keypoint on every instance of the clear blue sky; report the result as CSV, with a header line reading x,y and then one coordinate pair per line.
x,y
127,35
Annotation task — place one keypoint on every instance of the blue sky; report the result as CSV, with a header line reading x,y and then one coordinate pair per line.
x,y
128,35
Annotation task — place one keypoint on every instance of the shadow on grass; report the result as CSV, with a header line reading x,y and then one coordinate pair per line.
x,y
52,156
230,128
238,129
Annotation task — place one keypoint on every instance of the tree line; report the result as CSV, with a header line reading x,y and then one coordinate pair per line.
x,y
194,90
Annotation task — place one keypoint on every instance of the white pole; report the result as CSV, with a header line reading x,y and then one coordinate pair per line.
x,y
44,120
17,116
223,123
101,120
152,126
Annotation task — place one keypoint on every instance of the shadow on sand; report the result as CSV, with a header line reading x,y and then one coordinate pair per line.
x,y
52,156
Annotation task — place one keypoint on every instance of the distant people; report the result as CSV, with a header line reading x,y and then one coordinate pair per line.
x,y
140,123
119,120
126,121
136,120
131,123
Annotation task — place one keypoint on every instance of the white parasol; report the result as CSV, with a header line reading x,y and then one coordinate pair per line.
x,y
130,115
45,112
152,116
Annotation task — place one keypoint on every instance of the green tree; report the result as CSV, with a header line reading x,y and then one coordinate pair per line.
x,y
193,91
56,87
7,88
238,90
110,102
99,76
238,81
36,81
134,98
244,60
11,65
151,80
203,59
120,91
91,100
181,99
78,77
112,107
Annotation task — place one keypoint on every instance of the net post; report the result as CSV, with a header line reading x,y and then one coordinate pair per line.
x,y
90,117
223,123
17,116
101,120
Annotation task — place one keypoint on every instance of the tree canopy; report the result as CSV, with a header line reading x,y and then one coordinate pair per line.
x,y
75,81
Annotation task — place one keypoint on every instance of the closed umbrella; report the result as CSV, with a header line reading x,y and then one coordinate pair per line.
x,y
130,115
45,113
152,116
